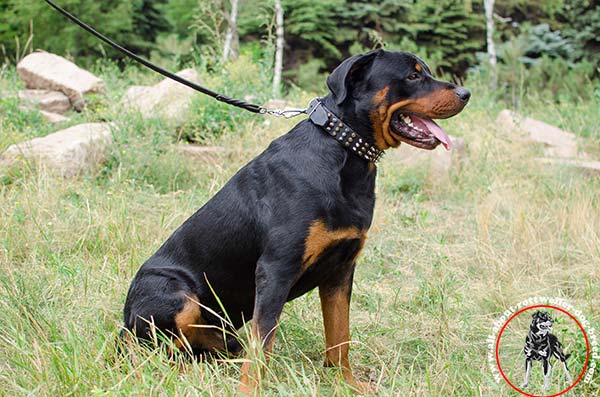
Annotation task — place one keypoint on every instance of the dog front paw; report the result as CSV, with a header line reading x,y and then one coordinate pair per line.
x,y
524,385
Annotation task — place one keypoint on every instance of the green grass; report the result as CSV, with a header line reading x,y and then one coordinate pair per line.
x,y
445,256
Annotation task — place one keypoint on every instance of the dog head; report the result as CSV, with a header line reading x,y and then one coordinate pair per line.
x,y
541,323
393,96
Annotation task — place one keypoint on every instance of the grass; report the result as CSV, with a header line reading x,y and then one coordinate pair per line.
x,y
446,255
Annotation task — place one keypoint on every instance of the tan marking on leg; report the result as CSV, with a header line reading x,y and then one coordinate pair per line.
x,y
336,320
336,309
320,237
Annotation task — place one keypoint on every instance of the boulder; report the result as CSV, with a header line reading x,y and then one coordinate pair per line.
x,y
168,99
558,143
67,152
49,101
53,117
42,70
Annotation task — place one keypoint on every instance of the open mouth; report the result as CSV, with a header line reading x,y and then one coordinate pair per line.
x,y
418,131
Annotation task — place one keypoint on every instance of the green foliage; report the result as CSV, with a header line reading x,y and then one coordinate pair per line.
x,y
241,78
180,15
540,41
256,19
448,34
142,154
451,32
548,11
148,22
314,24
309,76
582,28
133,22
389,17
540,62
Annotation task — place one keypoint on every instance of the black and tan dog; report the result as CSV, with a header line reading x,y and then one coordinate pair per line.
x,y
541,345
295,217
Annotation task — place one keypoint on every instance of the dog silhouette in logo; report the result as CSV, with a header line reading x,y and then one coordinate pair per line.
x,y
541,345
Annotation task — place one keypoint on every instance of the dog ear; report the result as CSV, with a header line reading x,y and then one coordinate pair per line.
x,y
341,79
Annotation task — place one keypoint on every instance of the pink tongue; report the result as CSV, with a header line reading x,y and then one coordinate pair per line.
x,y
432,127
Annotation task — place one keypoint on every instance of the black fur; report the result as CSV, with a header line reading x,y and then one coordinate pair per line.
x,y
246,243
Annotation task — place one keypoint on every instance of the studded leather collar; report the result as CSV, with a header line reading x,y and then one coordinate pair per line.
x,y
341,132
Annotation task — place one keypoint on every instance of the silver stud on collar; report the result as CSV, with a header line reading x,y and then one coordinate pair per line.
x,y
347,137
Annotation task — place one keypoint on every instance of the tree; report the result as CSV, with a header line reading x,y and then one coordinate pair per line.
x,y
491,49
231,37
278,49
452,32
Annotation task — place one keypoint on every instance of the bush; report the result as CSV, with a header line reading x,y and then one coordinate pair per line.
x,y
243,79
538,62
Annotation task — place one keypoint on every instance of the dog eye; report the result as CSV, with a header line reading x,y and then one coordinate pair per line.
x,y
414,76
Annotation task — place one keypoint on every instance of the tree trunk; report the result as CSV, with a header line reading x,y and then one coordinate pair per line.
x,y
491,48
278,49
229,47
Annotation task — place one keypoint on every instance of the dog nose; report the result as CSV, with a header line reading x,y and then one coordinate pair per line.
x,y
463,93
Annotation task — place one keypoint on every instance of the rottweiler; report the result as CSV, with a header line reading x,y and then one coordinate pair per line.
x,y
294,218
541,345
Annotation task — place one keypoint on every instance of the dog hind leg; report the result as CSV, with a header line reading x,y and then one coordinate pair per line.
x,y
547,372
560,354
567,373
162,300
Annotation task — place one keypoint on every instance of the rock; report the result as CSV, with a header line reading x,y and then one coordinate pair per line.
x,y
588,167
53,117
439,160
49,101
558,143
67,152
168,99
203,154
42,70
